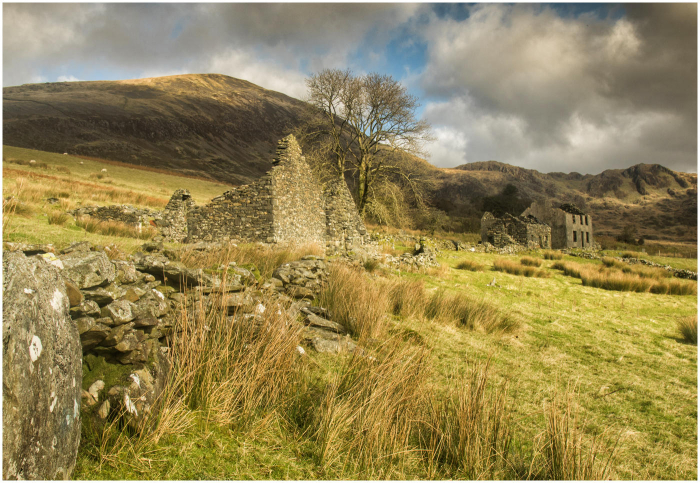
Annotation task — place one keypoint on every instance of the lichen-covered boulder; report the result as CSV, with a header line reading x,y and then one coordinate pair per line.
x,y
88,269
42,372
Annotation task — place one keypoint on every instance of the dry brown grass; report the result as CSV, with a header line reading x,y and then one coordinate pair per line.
x,y
265,258
355,302
530,262
407,297
688,327
369,411
640,279
564,452
58,218
115,228
463,310
468,432
552,255
233,367
470,265
45,186
508,266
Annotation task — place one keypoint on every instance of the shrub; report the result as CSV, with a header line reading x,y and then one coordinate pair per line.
x,y
530,262
688,327
552,255
470,265
508,266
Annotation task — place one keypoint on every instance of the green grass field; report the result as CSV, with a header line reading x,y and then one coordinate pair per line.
x,y
620,353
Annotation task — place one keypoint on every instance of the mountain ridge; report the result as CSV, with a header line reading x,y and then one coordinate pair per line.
x,y
226,129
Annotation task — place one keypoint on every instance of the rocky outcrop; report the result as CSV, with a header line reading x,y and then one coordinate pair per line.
x,y
42,372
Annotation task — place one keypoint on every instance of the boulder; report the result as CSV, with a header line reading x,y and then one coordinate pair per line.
x,y
42,372
88,269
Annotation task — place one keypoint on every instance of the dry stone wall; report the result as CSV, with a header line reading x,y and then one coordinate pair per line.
x,y
344,226
511,230
286,205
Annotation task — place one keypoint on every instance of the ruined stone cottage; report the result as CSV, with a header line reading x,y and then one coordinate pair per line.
x,y
286,205
515,230
571,227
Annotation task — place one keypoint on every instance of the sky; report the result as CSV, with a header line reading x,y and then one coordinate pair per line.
x,y
552,87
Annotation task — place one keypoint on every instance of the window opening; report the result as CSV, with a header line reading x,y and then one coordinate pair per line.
x,y
587,239
574,235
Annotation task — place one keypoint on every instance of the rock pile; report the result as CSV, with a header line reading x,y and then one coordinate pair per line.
x,y
121,213
301,279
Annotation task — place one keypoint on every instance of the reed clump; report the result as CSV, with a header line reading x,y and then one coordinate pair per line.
x,y
508,266
470,265
552,255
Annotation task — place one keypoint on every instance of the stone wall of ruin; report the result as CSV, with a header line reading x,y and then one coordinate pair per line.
x,y
284,206
564,224
298,211
344,226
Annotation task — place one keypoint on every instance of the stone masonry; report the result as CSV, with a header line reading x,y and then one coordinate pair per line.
x,y
515,230
286,205
571,227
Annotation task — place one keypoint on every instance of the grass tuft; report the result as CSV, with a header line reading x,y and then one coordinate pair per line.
x,y
552,255
470,265
530,262
688,327
355,302
58,218
508,266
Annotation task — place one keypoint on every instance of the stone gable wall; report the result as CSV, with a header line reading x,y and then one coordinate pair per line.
x,y
344,226
173,224
298,214
285,205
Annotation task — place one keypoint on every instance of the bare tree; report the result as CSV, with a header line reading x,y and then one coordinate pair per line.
x,y
370,120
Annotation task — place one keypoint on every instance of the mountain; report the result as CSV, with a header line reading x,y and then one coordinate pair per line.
x,y
226,129
660,202
208,125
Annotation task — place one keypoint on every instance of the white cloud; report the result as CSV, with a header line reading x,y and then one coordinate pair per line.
x,y
67,78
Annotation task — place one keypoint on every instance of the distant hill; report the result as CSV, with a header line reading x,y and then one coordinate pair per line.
x,y
208,125
226,129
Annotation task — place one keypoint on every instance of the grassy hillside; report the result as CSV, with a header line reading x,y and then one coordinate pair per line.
x,y
225,129
208,125
619,358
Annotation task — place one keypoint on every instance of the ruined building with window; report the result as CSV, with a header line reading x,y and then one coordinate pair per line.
x,y
515,230
571,227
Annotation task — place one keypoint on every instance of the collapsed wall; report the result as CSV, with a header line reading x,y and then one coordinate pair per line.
x,y
515,230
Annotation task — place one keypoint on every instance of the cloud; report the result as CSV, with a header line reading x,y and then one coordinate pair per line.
x,y
67,78
529,87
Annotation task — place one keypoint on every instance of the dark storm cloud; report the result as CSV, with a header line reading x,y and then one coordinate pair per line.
x,y
173,38
526,86
553,88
